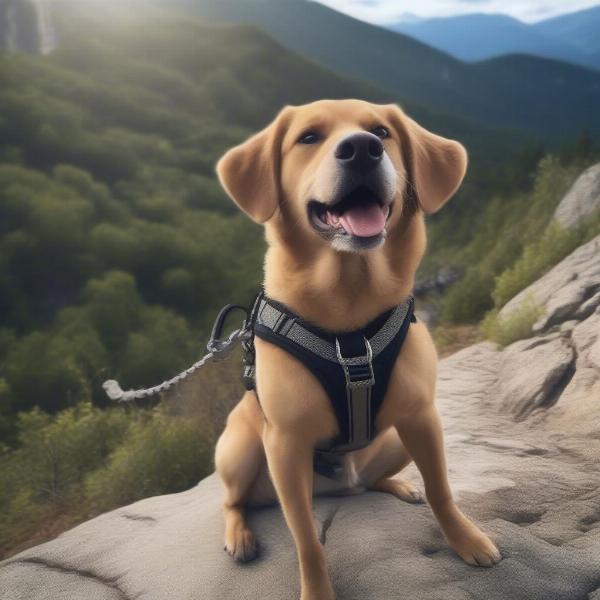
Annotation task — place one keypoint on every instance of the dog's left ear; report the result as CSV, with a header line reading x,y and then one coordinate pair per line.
x,y
436,165
250,172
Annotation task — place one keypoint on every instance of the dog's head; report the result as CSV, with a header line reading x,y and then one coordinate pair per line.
x,y
342,172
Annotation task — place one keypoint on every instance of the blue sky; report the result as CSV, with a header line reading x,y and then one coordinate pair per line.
x,y
389,11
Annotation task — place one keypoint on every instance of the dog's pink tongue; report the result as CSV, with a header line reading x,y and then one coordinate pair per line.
x,y
364,221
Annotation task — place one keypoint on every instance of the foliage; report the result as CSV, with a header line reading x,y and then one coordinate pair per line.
x,y
43,476
117,245
541,254
85,460
160,455
554,244
502,233
516,326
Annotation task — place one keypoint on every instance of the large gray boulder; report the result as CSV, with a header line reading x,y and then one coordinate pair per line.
x,y
582,200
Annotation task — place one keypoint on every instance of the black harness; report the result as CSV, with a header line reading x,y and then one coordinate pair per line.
x,y
353,367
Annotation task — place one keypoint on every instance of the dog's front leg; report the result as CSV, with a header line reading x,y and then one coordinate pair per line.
x,y
421,432
290,460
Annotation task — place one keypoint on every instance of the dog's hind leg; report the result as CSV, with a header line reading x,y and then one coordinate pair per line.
x,y
239,456
377,464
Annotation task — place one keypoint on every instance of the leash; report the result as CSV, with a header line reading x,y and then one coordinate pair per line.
x,y
218,349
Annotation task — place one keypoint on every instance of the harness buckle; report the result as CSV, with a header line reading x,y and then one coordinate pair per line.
x,y
357,369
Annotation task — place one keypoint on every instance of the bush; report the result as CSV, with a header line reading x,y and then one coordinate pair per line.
x,y
469,297
160,454
44,475
514,242
85,460
538,257
516,326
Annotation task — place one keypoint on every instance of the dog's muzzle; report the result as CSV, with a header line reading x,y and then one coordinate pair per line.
x,y
355,216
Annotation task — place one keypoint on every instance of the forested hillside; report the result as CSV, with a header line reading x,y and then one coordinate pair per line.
x,y
117,244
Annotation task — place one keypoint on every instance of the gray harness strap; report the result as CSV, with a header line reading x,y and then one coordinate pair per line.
x,y
275,319
360,380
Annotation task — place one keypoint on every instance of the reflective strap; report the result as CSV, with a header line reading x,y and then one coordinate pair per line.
x,y
288,326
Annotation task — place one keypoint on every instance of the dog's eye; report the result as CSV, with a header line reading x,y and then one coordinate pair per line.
x,y
309,137
381,132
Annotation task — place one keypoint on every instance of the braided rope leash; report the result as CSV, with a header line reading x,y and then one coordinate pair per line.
x,y
217,350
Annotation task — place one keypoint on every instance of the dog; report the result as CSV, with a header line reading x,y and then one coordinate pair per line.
x,y
342,187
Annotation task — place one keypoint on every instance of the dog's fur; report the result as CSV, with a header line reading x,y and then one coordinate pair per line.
x,y
266,450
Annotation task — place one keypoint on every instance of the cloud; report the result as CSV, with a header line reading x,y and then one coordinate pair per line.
x,y
389,11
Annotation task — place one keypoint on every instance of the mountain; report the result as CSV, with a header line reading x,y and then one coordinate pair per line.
x,y
557,101
476,37
580,29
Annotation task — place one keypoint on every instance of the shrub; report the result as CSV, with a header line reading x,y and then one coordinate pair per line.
x,y
513,243
516,326
43,476
469,297
554,244
160,454
85,460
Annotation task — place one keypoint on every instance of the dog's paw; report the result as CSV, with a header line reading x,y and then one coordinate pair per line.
x,y
406,491
476,548
241,545
402,489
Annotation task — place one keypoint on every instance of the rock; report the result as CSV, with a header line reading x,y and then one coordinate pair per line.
x,y
531,373
593,355
437,283
567,326
586,333
171,547
588,307
581,200
564,303
565,290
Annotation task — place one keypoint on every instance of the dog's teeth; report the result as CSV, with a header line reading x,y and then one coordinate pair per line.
x,y
333,220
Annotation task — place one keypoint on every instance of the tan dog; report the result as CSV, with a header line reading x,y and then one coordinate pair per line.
x,y
339,271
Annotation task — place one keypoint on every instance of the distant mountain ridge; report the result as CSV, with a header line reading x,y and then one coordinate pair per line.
x,y
574,37
581,29
557,101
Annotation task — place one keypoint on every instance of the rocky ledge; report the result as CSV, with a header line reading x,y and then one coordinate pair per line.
x,y
523,440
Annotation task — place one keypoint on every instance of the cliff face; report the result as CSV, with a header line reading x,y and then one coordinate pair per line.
x,y
522,436
27,26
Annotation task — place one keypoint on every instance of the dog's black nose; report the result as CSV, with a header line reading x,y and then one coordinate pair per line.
x,y
359,152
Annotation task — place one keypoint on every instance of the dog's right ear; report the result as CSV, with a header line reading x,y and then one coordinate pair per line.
x,y
436,165
250,172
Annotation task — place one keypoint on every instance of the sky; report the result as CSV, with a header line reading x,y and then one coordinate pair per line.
x,y
390,11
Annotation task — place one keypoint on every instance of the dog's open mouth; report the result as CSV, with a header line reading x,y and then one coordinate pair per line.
x,y
361,214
